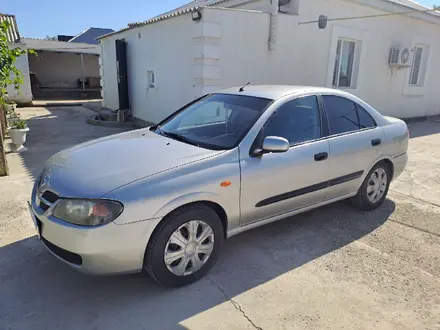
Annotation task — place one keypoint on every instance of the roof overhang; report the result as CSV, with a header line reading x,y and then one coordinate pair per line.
x,y
153,20
12,34
61,46
394,6
391,6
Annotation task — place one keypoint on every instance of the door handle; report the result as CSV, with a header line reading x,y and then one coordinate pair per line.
x,y
321,156
376,142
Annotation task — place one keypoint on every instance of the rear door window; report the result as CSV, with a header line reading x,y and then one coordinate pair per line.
x,y
346,116
341,112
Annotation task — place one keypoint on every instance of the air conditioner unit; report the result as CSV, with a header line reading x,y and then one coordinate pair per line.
x,y
400,56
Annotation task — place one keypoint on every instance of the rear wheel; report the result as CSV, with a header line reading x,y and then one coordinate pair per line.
x,y
374,189
185,246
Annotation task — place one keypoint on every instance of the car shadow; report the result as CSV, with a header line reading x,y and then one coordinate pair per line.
x,y
39,292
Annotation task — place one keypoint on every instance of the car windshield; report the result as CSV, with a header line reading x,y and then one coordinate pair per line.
x,y
217,121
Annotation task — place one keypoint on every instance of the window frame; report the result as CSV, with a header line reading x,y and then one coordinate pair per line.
x,y
423,66
420,90
357,106
338,59
362,38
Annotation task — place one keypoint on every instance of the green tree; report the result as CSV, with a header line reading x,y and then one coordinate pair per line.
x,y
9,74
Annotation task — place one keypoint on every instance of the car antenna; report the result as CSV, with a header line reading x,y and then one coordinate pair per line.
x,y
242,87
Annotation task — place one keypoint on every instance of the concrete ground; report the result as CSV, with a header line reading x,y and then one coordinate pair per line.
x,y
332,268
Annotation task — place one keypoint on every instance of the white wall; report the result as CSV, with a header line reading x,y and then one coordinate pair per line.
x,y
305,55
263,5
108,75
62,70
165,48
24,94
229,47
383,88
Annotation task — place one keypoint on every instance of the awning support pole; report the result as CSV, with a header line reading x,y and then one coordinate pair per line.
x,y
82,72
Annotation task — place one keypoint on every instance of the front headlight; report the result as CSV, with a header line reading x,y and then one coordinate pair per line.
x,y
87,212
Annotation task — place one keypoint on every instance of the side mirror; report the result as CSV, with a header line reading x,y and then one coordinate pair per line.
x,y
272,144
275,144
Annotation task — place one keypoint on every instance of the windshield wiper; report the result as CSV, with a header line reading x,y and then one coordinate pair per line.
x,y
178,137
157,128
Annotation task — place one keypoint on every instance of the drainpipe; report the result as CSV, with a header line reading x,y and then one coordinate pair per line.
x,y
273,24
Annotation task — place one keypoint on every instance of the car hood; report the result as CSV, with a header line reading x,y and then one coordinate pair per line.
x,y
94,168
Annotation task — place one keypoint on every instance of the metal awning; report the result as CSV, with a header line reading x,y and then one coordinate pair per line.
x,y
12,34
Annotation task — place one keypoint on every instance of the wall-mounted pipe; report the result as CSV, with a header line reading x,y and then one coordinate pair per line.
x,y
273,24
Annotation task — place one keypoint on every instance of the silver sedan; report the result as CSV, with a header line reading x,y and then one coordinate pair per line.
x,y
163,199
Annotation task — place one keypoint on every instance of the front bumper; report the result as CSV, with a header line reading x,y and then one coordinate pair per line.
x,y
107,249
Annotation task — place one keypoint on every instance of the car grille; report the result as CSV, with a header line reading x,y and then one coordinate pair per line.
x,y
47,199
71,257
50,196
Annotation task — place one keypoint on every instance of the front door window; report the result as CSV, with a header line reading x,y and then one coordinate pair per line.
x,y
298,121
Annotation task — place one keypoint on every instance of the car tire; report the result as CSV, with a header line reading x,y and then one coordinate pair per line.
x,y
373,183
176,225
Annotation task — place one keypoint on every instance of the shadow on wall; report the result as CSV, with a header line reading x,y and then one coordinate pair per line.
x,y
424,128
39,292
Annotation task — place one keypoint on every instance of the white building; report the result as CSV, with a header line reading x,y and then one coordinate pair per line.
x,y
59,70
212,44
62,69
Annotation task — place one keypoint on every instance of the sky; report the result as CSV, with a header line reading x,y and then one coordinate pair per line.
x,y
38,19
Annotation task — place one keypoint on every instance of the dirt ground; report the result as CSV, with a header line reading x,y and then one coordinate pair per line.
x,y
332,268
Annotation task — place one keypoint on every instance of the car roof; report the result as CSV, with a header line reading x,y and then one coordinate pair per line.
x,y
275,92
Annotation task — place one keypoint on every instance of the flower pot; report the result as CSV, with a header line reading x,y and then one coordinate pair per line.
x,y
18,138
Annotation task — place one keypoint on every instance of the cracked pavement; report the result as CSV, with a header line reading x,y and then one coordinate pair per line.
x,y
331,268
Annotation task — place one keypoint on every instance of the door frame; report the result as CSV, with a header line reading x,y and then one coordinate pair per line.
x,y
253,138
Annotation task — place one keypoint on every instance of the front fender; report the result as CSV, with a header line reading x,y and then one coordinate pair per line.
x,y
191,198
156,196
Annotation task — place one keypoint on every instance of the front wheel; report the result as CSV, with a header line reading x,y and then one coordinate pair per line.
x,y
185,246
374,189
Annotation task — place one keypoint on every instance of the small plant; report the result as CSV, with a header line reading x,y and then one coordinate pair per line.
x,y
9,74
10,111
18,123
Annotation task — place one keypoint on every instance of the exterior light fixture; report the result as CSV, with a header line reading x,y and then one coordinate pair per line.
x,y
196,15
322,21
